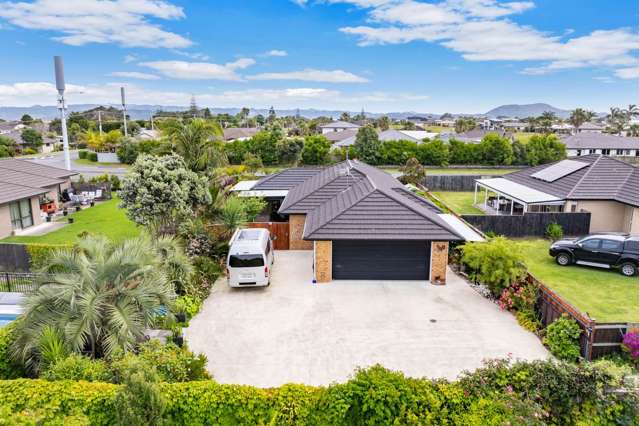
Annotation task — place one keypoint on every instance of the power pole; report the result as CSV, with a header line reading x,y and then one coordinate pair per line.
x,y
126,132
59,84
100,121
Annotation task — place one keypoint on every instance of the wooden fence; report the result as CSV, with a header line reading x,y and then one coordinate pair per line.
x,y
279,230
21,282
14,258
596,340
451,182
531,224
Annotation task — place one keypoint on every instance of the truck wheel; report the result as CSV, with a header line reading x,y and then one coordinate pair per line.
x,y
563,259
628,269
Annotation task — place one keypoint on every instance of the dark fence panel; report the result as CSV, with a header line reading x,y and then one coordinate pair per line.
x,y
607,339
452,182
531,224
14,258
21,282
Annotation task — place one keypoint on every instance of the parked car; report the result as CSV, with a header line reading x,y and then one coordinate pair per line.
x,y
250,258
620,251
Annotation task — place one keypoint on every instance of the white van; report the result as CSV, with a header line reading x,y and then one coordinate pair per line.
x,y
250,258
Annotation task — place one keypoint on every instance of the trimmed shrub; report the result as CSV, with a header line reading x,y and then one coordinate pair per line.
x,y
8,368
554,231
82,154
92,156
174,364
78,367
562,338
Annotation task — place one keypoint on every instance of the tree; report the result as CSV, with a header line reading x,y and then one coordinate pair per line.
x,y
264,145
384,123
7,147
633,130
367,145
252,162
520,156
196,142
463,124
617,120
413,171
345,116
316,149
578,117
289,150
632,111
271,115
100,297
26,119
496,150
32,138
546,120
434,153
542,149
158,191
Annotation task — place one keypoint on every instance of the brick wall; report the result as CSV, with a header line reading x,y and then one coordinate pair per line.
x,y
296,232
438,262
323,261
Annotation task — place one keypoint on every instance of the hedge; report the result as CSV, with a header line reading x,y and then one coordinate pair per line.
x,y
92,156
39,253
536,393
82,154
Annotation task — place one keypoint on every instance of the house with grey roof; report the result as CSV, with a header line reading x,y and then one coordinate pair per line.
x,y
586,143
24,187
13,130
362,223
239,133
416,136
606,187
338,126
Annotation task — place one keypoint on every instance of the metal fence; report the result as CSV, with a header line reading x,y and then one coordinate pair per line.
x,y
20,282
531,224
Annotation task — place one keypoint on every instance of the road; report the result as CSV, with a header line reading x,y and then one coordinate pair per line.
x,y
56,159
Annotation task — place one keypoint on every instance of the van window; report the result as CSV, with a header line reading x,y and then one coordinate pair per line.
x,y
268,247
632,245
246,260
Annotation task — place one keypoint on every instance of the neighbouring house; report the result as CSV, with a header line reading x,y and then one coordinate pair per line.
x,y
591,127
239,133
13,130
148,134
26,188
362,223
335,137
601,143
473,136
562,128
338,126
514,126
416,136
605,187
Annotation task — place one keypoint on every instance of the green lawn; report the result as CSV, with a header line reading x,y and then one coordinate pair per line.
x,y
524,137
105,219
459,202
605,295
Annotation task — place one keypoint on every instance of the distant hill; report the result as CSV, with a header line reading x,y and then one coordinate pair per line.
x,y
527,110
144,111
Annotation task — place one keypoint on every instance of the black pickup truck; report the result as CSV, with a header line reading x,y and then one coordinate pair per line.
x,y
600,250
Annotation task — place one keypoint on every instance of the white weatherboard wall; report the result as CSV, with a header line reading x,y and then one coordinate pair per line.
x,y
108,157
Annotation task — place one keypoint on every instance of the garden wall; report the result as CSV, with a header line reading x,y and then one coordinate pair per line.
x,y
108,157
531,224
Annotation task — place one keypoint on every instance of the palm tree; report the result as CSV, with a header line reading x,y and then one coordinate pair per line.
x,y
198,142
100,297
632,111
546,120
633,130
617,120
578,117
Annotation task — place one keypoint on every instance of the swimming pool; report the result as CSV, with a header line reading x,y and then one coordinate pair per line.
x,y
7,318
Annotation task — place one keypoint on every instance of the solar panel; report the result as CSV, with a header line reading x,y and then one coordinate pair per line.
x,y
559,170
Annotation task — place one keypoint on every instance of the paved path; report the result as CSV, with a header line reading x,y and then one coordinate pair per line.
x,y
296,331
56,159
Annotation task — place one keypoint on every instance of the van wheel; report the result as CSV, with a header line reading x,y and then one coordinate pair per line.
x,y
628,269
563,259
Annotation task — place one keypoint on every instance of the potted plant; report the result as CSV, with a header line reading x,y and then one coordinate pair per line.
x,y
70,220
65,211
48,219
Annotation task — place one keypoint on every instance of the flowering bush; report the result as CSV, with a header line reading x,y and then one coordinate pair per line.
x,y
631,343
519,296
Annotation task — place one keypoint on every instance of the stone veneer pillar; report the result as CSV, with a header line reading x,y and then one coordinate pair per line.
x,y
296,233
323,261
438,262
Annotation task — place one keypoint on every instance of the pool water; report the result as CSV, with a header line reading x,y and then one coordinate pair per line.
x,y
7,318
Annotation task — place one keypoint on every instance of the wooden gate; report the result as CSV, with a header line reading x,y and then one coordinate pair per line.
x,y
279,230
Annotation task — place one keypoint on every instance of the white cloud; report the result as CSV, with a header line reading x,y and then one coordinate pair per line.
x,y
276,52
130,58
482,30
200,70
135,74
333,76
123,22
628,73
198,56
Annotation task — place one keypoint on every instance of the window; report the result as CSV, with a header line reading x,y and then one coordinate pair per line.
x,y
246,261
268,247
605,151
592,151
573,208
611,245
578,152
632,246
21,216
592,244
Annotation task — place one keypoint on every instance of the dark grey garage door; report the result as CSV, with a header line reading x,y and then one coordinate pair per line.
x,y
381,260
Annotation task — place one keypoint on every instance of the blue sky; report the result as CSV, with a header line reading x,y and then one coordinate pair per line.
x,y
380,55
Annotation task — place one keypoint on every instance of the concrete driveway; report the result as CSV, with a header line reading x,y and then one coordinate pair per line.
x,y
296,331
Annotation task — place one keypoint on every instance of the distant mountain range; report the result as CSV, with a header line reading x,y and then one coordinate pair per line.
x,y
527,110
144,111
